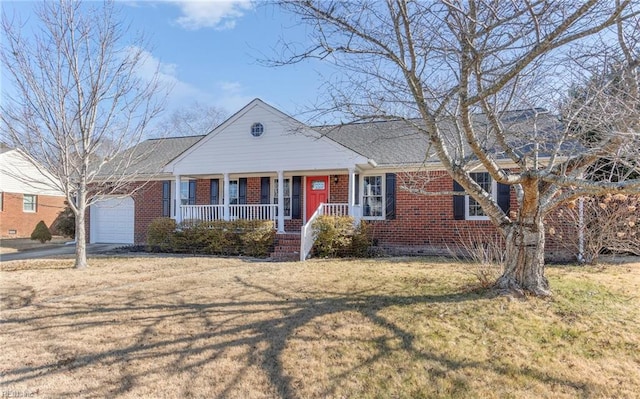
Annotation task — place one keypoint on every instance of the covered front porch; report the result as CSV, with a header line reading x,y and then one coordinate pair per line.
x,y
288,198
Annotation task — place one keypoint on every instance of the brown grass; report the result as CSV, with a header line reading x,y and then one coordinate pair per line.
x,y
404,328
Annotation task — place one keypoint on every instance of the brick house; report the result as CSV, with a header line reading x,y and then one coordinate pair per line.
x,y
263,164
27,195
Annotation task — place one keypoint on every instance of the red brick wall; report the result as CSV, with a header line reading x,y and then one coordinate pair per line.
x,y
203,191
12,217
253,190
339,192
425,224
148,206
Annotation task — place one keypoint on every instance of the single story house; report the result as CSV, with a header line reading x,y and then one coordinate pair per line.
x,y
263,164
28,194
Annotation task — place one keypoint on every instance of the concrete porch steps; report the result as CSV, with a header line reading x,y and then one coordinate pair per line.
x,y
287,247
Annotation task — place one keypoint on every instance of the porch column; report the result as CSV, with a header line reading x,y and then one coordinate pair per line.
x,y
357,209
280,201
177,212
352,190
226,198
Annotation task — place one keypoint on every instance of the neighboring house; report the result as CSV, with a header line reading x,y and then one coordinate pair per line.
x,y
263,164
27,194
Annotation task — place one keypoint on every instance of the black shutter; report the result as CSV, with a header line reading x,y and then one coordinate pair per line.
x,y
458,202
296,194
192,192
390,186
242,190
166,198
215,192
504,197
357,189
265,190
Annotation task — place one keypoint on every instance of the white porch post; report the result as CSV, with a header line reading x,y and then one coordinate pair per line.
x,y
357,209
226,198
177,211
352,190
280,201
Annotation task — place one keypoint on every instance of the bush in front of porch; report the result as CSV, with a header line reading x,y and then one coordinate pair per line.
x,y
236,237
337,236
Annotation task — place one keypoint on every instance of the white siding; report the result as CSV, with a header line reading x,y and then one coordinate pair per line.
x,y
19,175
285,145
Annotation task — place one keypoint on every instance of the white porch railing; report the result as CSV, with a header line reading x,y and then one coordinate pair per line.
x,y
210,213
307,237
206,213
335,209
253,212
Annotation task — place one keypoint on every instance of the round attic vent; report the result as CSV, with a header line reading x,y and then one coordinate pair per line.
x,y
257,129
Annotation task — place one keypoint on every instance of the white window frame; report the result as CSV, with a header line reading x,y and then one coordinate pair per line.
x,y
383,194
274,193
183,184
34,203
468,199
232,182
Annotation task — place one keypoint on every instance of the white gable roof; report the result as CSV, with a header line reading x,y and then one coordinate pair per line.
x,y
286,144
19,174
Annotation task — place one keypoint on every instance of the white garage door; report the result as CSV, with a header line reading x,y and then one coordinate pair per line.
x,y
112,221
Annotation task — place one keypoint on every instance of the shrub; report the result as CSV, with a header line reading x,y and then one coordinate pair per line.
x,y
361,241
191,237
65,223
486,253
41,232
333,235
238,237
257,238
160,234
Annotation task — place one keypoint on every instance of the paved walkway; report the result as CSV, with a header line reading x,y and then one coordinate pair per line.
x,y
56,251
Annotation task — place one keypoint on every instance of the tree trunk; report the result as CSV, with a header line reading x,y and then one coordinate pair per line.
x,y
81,238
524,263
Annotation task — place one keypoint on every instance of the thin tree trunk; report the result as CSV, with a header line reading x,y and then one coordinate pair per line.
x,y
524,267
81,237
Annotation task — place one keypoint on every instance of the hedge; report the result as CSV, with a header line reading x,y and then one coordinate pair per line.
x,y
220,237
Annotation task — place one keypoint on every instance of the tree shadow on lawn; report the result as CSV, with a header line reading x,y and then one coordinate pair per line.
x,y
225,326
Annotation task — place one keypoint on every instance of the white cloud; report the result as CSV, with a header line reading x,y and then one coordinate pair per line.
x,y
167,74
216,14
231,96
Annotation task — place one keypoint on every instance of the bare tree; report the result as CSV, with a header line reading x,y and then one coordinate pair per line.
x,y
76,100
459,68
191,120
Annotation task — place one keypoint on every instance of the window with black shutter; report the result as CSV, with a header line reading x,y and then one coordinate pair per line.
x,y
166,198
214,196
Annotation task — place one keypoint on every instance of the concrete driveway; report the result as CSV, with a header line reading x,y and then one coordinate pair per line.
x,y
70,249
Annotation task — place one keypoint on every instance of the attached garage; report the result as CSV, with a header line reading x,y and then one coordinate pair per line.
x,y
112,221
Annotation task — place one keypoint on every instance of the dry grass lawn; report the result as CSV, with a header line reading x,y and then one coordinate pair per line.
x,y
231,328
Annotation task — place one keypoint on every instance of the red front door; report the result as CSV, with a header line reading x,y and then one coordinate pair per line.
x,y
317,193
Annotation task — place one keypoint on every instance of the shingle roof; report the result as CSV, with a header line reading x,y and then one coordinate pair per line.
x,y
149,156
386,142
399,142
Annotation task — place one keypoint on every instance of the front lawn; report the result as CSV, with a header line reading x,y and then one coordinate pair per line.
x,y
234,328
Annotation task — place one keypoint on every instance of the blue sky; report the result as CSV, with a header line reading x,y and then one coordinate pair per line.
x,y
209,51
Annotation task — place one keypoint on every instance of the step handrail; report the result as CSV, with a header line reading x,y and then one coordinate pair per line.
x,y
307,234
